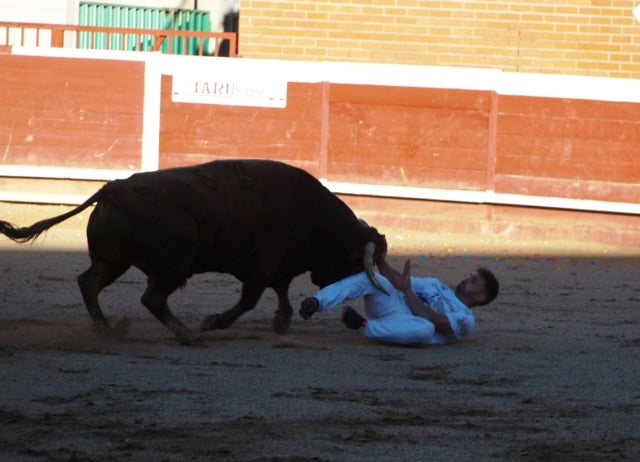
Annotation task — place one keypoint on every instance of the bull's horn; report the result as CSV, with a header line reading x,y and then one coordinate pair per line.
x,y
367,261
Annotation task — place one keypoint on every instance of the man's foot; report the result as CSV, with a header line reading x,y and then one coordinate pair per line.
x,y
352,319
308,307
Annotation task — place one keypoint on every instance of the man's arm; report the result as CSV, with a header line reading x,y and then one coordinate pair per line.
x,y
419,308
394,276
402,282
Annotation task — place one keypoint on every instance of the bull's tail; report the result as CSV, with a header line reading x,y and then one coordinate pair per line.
x,y
29,233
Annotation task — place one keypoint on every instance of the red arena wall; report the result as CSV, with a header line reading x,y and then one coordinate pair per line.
x,y
78,113
412,141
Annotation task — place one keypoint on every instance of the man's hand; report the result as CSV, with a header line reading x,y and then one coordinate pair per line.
x,y
405,279
401,281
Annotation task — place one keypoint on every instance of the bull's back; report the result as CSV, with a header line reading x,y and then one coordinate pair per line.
x,y
224,209
272,192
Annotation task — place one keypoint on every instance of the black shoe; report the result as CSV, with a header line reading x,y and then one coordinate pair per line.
x,y
352,319
308,307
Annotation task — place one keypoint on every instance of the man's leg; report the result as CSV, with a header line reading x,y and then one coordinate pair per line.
x,y
404,330
350,288
352,319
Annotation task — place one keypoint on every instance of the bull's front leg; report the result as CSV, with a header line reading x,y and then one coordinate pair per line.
x,y
251,293
248,300
261,271
282,317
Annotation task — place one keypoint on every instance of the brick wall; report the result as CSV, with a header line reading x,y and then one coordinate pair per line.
x,y
577,37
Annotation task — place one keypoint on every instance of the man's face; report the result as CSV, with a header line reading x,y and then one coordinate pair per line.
x,y
472,288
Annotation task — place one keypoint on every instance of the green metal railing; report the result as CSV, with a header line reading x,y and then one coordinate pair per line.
x,y
159,19
116,38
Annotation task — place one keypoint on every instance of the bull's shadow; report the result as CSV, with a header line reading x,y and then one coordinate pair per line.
x,y
39,292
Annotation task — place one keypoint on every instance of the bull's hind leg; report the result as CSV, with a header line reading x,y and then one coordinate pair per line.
x,y
99,275
155,299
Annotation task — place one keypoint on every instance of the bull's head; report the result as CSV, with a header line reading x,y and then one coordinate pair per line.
x,y
367,247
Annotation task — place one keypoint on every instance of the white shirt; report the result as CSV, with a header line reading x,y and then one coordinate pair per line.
x,y
442,299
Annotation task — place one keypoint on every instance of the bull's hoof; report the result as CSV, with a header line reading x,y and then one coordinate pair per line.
x,y
191,341
122,326
117,332
210,323
281,323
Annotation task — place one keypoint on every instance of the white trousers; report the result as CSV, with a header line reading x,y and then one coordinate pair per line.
x,y
389,318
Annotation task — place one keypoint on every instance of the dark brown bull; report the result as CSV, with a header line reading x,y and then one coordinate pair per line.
x,y
264,222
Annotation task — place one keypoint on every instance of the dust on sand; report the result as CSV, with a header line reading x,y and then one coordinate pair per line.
x,y
550,374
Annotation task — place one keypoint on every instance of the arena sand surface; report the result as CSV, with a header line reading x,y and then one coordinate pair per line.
x,y
551,374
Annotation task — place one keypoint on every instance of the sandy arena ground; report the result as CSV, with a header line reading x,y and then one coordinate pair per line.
x,y
551,374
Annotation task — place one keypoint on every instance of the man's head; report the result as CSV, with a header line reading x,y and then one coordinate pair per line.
x,y
479,288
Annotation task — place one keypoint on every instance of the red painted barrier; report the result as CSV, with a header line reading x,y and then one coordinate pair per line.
x,y
83,113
